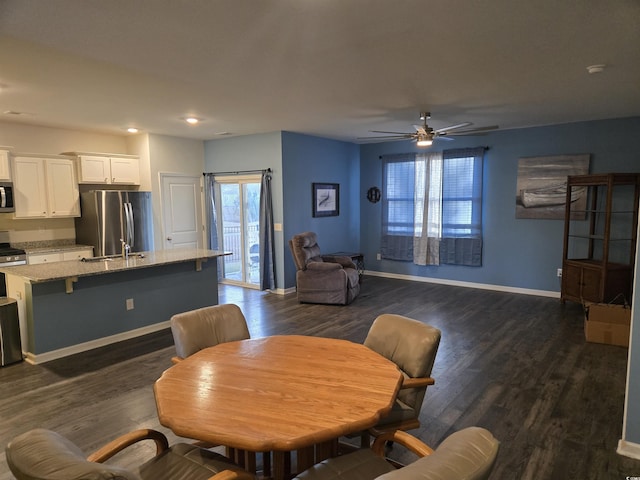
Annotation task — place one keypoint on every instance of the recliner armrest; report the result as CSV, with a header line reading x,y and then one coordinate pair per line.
x,y
346,262
323,266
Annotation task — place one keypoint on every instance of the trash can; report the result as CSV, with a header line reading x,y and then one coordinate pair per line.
x,y
10,345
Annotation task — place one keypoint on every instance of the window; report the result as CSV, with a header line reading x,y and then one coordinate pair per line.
x,y
432,207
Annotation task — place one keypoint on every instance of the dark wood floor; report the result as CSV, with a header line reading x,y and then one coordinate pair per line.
x,y
517,365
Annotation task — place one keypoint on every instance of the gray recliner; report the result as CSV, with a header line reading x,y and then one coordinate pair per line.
x,y
322,279
468,454
206,327
42,454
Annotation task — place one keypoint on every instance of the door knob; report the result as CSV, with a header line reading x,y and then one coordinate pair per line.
x,y
169,239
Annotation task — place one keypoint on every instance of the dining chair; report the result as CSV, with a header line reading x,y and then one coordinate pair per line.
x,y
468,454
412,346
42,454
206,327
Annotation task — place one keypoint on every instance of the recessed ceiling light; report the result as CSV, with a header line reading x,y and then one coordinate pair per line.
x,y
595,68
132,129
192,120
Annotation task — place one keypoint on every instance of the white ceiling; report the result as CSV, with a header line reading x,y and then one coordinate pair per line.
x,y
331,68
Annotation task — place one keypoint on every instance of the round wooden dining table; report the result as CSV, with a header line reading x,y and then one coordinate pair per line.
x,y
277,394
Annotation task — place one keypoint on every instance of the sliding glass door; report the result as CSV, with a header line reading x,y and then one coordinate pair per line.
x,y
239,211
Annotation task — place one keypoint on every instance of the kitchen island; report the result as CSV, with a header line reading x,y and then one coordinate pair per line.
x,y
72,306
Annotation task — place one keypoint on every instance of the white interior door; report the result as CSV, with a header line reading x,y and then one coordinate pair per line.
x,y
181,211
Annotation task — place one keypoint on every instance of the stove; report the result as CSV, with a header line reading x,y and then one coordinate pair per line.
x,y
10,256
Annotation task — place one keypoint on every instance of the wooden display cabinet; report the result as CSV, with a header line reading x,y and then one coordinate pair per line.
x,y
600,234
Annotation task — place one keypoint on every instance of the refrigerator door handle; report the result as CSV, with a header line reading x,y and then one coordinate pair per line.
x,y
130,226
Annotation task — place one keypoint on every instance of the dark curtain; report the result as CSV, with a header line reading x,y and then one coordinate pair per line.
x,y
267,244
211,220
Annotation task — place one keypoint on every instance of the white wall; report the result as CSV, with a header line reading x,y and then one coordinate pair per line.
x,y
171,155
34,139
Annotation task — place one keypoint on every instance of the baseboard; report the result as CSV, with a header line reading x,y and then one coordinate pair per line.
x,y
100,342
628,449
283,291
456,283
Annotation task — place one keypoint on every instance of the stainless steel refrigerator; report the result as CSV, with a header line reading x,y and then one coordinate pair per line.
x,y
110,216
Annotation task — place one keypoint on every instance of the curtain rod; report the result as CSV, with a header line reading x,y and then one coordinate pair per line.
x,y
238,172
410,153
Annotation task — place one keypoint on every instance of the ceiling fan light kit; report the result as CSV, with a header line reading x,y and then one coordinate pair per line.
x,y
424,140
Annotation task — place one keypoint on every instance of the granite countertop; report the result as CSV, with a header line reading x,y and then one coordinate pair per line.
x,y
55,249
47,272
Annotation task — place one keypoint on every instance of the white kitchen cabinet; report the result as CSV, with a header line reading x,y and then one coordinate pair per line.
x,y
77,254
35,259
60,256
5,171
108,169
45,187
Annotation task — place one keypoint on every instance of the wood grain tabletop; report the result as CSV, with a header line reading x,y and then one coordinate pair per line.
x,y
278,393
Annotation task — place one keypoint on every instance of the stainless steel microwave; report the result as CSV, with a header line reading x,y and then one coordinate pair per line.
x,y
6,197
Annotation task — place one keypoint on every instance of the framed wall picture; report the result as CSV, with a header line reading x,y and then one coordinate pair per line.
x,y
326,199
541,186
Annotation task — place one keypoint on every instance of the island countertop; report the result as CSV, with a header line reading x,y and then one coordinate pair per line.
x,y
47,272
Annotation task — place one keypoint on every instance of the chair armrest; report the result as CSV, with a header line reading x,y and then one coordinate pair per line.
x,y
323,266
346,262
120,443
405,439
417,382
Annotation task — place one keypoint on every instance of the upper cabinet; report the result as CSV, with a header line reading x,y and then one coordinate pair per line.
x,y
5,171
45,187
111,169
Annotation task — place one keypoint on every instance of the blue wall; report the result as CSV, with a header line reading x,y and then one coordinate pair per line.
x,y
307,160
520,253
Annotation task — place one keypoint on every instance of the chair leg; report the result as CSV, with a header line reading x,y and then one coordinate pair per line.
x,y
365,439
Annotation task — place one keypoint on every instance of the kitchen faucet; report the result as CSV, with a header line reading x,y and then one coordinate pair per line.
x,y
126,248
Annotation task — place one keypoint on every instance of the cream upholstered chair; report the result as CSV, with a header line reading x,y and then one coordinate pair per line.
x,y
205,327
42,454
322,279
412,346
468,454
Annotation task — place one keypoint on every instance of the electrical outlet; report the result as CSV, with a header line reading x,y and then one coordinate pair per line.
x,y
559,273
129,302
378,257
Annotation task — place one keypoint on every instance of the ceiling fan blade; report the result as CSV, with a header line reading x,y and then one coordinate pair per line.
x,y
474,131
453,127
385,139
442,137
393,133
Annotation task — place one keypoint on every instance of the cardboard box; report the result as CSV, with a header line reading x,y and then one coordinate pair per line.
x,y
607,323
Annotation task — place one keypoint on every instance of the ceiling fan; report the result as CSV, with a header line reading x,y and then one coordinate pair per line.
x,y
425,135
